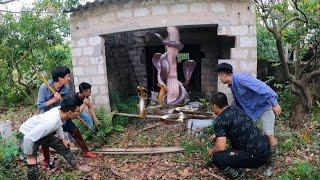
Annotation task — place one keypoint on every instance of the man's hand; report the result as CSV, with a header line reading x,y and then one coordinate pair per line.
x,y
56,96
276,110
86,101
66,143
31,160
212,138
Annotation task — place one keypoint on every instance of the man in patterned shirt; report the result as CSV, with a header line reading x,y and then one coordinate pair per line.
x,y
248,147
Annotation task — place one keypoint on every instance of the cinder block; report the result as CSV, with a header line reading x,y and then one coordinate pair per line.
x,y
157,10
199,7
76,52
179,8
239,30
124,13
218,7
78,71
88,51
141,12
239,53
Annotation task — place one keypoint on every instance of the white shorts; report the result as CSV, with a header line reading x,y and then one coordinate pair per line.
x,y
267,120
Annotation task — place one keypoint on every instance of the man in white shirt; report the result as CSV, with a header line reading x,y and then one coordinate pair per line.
x,y
41,129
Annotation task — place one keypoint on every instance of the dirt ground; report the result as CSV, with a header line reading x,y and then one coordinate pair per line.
x,y
190,164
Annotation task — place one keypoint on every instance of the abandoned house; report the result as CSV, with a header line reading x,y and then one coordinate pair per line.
x,y
110,50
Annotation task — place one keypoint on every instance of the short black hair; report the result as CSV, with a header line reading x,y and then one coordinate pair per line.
x,y
60,71
84,86
68,103
219,99
225,67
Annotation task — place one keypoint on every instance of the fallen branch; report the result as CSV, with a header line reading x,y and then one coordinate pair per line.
x,y
146,128
152,150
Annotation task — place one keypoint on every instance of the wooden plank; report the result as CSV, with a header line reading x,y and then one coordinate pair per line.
x,y
140,149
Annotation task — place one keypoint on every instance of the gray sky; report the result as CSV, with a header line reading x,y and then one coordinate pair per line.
x,y
18,4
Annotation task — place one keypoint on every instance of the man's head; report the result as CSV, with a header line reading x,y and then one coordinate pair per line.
x,y
61,74
225,71
219,102
85,89
69,106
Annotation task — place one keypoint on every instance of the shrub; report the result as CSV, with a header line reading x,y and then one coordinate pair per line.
x,y
109,122
8,151
301,171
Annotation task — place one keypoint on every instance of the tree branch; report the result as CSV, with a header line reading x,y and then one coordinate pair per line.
x,y
311,75
25,55
6,2
305,66
285,24
297,8
284,64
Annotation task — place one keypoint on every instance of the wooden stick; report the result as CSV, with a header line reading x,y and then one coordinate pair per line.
x,y
170,117
83,122
146,128
158,150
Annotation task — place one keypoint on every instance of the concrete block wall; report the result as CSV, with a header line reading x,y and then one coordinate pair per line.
x,y
233,17
89,65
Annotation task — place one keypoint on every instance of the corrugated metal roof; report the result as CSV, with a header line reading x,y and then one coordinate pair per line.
x,y
89,5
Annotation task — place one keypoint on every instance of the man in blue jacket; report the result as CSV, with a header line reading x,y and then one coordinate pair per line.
x,y
256,98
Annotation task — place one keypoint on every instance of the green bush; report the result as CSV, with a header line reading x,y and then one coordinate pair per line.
x,y
315,113
109,122
8,151
301,171
286,98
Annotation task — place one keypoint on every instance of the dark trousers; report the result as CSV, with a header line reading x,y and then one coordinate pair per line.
x,y
50,141
69,126
238,159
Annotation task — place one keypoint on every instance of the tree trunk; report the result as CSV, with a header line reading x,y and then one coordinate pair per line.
x,y
303,106
300,116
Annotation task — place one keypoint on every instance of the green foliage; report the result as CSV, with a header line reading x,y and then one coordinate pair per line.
x,y
287,99
37,37
67,176
121,104
110,123
8,151
267,49
315,113
301,171
205,105
286,146
201,145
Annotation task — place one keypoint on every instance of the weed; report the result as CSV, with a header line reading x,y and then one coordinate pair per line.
x,y
301,171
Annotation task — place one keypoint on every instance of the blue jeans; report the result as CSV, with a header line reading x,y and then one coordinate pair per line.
x,y
87,118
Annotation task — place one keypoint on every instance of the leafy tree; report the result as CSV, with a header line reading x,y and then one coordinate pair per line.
x,y
296,23
267,49
35,37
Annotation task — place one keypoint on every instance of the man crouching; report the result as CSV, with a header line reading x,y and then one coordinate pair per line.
x,y
41,130
248,147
